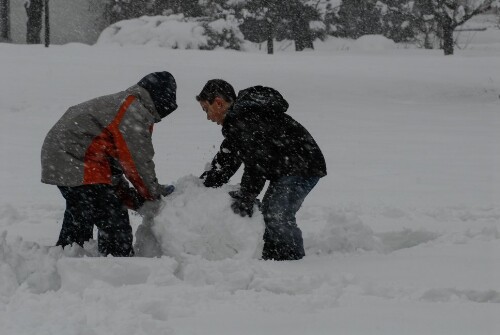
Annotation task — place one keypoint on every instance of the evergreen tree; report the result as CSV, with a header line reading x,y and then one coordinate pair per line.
x,y
356,18
425,24
260,19
266,20
397,20
298,16
117,10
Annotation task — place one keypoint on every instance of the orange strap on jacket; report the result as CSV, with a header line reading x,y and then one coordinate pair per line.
x,y
111,143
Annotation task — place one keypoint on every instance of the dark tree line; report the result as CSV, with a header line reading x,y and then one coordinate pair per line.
x,y
413,21
405,21
261,20
266,20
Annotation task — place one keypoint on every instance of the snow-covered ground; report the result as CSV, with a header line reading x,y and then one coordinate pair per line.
x,y
402,236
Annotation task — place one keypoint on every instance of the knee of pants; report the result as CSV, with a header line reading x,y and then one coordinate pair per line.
x,y
280,218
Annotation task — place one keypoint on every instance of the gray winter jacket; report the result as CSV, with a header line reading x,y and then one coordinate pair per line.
x,y
98,141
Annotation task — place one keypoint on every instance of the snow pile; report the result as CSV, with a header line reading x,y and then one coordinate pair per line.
x,y
488,39
334,44
199,221
80,274
180,32
228,274
373,42
173,31
28,265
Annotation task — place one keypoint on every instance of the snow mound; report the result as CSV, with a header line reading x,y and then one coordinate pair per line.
x,y
373,43
228,274
79,274
29,265
172,31
33,268
488,39
198,221
175,32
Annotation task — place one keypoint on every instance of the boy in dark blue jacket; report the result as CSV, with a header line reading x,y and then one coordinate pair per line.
x,y
272,146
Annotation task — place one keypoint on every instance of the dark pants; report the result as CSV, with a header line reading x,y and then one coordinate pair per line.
x,y
283,198
97,205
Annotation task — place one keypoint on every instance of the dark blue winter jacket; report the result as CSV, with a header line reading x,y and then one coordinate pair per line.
x,y
270,143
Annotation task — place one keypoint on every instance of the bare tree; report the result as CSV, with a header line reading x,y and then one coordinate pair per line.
x,y
34,10
450,14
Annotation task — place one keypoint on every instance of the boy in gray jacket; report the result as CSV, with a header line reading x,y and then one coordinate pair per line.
x,y
93,147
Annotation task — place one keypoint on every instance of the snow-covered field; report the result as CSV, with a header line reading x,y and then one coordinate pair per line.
x,y
402,236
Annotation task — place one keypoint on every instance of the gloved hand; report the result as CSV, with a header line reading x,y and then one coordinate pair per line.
x,y
166,189
128,196
242,204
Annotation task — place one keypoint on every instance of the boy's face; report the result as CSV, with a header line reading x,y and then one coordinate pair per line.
x,y
216,111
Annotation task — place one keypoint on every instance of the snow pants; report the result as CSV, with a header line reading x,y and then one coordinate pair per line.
x,y
283,198
98,205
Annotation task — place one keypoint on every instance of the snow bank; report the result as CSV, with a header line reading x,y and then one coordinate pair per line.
x,y
180,32
198,221
488,39
29,265
55,291
373,42
172,31
77,274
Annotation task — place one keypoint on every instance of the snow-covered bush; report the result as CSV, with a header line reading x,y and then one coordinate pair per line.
x,y
224,33
174,31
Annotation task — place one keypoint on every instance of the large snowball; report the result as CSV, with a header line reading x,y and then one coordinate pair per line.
x,y
198,221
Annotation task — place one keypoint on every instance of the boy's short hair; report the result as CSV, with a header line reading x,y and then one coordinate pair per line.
x,y
217,88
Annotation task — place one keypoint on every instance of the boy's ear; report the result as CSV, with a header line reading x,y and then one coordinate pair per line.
x,y
218,101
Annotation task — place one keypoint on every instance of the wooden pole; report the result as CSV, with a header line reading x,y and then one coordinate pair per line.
x,y
47,24
4,21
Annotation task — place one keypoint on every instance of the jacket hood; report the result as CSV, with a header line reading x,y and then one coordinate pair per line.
x,y
261,97
162,88
145,98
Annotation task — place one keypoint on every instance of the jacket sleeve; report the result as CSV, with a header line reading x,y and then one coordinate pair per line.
x,y
134,146
223,166
252,183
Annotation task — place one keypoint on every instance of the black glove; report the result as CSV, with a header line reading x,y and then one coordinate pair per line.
x,y
166,189
128,195
242,203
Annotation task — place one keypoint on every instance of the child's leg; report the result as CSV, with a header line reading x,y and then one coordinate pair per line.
x,y
284,197
76,227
